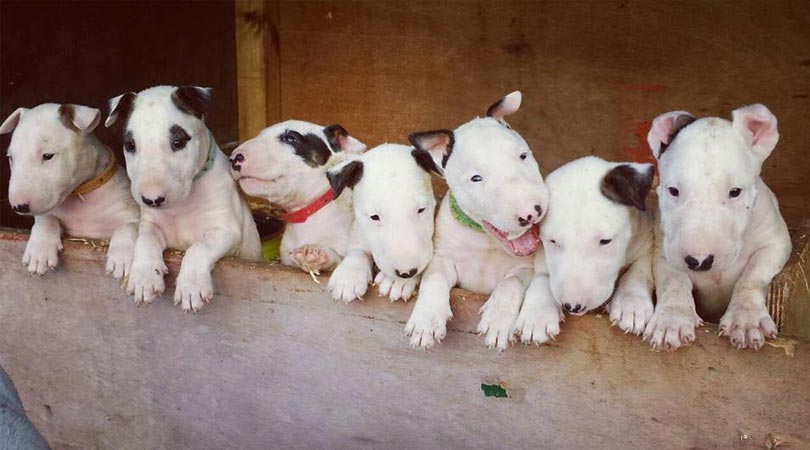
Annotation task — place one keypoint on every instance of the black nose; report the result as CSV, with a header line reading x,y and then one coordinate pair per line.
x,y
539,210
235,160
574,309
22,208
523,221
699,266
407,274
154,203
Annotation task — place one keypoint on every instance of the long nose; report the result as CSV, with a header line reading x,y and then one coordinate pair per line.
x,y
237,158
699,263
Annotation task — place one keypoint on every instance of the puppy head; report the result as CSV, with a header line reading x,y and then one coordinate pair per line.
x,y
285,161
166,142
589,227
47,154
393,205
493,175
709,170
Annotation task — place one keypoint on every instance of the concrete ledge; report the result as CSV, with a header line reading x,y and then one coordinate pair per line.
x,y
274,363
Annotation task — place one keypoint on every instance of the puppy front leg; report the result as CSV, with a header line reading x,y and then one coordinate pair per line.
x,y
145,280
121,250
43,247
540,316
746,321
632,304
396,288
499,313
349,281
428,322
195,287
673,322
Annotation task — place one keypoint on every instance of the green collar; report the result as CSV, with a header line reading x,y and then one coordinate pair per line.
x,y
212,154
461,217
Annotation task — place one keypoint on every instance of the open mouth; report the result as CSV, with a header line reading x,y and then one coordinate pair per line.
x,y
521,245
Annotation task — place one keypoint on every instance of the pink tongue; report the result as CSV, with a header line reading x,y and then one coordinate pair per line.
x,y
526,244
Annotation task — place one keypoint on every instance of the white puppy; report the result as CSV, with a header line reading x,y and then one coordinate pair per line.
x,y
393,221
286,164
597,226
486,229
188,199
722,237
67,179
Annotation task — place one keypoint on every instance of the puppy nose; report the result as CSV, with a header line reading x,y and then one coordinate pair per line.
x,y
699,263
22,208
236,159
405,274
574,308
153,202
523,221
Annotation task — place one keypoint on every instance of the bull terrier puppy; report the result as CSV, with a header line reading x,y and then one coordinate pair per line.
x,y
722,238
597,227
486,228
393,221
188,200
286,164
68,180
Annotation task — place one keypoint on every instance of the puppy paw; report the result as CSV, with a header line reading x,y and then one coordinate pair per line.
x,y
193,291
396,288
119,258
497,322
313,258
349,282
42,253
747,325
427,325
631,312
538,324
671,327
145,280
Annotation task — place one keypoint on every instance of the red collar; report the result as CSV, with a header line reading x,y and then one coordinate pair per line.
x,y
301,215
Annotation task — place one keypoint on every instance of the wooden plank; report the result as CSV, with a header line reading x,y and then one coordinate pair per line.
x,y
273,363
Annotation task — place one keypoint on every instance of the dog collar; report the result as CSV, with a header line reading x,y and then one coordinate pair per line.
x,y
461,217
99,180
212,154
301,215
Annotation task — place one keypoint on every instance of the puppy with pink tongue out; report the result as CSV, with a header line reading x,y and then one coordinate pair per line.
x,y
486,228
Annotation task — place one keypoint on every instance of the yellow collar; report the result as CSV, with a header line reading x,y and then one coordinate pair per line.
x,y
99,180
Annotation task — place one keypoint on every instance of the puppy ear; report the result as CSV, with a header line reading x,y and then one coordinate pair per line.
x,y
426,162
758,124
79,118
193,100
12,120
345,175
628,184
437,143
120,106
340,140
505,106
664,129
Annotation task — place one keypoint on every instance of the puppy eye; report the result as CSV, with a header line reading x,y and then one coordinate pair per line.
x,y
289,138
553,241
674,192
734,193
375,218
605,241
47,156
420,210
129,146
523,156
476,178
178,144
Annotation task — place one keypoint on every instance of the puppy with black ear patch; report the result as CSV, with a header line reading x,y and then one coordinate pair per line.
x,y
68,180
286,164
597,237
188,199
394,208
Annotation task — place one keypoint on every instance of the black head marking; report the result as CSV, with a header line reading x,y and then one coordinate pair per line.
x,y
192,100
627,186
336,135
426,162
679,124
311,148
178,138
347,177
438,143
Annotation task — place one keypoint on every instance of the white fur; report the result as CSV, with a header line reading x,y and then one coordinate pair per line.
x,y
205,217
509,188
47,186
746,235
576,267
270,169
398,193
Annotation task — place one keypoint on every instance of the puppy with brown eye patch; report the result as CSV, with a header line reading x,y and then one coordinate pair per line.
x,y
188,199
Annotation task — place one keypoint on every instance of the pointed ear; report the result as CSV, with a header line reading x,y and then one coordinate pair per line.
x,y
437,143
193,100
758,124
120,107
345,175
426,162
79,118
340,140
12,120
664,129
505,106
628,184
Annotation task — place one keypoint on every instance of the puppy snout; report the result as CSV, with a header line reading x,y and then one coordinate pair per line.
x,y
699,263
405,273
529,215
153,202
22,208
236,161
574,308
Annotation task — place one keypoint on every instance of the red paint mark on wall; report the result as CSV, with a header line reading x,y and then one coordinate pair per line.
x,y
649,87
640,152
